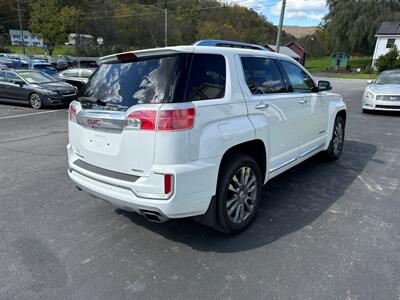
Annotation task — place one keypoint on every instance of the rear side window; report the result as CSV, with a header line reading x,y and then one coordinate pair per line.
x,y
299,80
207,77
263,75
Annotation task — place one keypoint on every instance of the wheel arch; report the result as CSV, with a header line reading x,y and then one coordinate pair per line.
x,y
254,148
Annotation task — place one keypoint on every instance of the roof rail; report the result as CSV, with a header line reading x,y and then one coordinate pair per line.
x,y
231,44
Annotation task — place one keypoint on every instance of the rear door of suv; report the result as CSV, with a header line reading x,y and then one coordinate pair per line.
x,y
273,110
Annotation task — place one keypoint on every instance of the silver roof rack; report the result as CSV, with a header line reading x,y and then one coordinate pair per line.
x,y
229,44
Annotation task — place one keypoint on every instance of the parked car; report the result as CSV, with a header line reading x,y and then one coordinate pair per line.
x,y
69,59
86,63
59,64
383,93
196,131
44,67
35,88
76,77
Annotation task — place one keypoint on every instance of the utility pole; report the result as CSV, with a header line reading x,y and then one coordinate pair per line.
x,y
278,39
20,27
166,24
165,11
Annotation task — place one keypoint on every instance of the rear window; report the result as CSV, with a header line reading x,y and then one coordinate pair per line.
x,y
159,80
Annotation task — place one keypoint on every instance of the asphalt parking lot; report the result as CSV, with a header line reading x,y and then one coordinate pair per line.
x,y
324,231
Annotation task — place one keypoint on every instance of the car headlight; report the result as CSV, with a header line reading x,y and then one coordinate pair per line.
x,y
368,95
50,93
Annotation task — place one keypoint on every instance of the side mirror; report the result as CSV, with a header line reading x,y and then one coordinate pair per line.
x,y
324,86
19,82
370,81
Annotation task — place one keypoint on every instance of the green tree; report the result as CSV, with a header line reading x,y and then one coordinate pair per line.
x,y
389,61
51,21
352,25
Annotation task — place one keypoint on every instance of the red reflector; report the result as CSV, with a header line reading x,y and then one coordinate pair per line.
x,y
176,119
147,118
167,183
127,57
72,113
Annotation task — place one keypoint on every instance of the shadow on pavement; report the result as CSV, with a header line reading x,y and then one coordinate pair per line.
x,y
290,202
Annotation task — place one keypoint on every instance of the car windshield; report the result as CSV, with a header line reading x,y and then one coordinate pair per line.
x,y
36,77
389,78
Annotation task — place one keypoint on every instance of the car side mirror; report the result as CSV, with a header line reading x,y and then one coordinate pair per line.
x,y
324,86
19,82
370,81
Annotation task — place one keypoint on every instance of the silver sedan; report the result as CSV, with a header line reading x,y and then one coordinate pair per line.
x,y
383,93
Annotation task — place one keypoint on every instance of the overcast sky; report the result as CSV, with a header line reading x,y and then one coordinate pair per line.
x,y
298,12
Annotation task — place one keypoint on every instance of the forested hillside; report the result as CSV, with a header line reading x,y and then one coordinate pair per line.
x,y
127,24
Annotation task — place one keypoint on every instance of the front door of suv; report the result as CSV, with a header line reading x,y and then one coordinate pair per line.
x,y
314,109
273,111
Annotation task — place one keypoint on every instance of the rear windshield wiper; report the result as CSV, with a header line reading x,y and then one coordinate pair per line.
x,y
92,100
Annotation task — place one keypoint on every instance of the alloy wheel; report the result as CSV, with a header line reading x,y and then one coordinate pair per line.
x,y
241,196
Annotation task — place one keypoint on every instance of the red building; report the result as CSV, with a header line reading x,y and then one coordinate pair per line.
x,y
293,50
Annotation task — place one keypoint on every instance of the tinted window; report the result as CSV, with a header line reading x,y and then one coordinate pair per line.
x,y
299,79
207,77
263,75
86,73
71,73
145,81
12,77
2,76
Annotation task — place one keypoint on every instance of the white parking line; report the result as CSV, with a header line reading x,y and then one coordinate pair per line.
x,y
32,114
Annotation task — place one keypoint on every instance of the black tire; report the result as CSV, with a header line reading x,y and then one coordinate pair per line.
x,y
335,148
246,197
35,101
366,111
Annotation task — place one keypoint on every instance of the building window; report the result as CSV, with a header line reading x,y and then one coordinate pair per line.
x,y
390,43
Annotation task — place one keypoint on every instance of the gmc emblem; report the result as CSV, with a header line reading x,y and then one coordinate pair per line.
x,y
93,122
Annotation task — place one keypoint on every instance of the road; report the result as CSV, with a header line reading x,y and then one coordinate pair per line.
x,y
324,230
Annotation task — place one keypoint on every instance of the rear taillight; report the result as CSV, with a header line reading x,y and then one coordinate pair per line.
x,y
176,119
168,120
142,119
72,113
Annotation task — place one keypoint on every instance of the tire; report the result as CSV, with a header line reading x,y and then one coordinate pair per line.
x,y
335,148
35,101
366,111
238,195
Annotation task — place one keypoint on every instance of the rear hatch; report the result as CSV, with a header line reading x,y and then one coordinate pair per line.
x,y
113,123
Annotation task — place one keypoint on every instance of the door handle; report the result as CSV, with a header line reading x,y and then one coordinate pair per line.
x,y
262,106
304,101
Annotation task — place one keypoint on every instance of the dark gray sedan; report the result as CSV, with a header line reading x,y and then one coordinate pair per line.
x,y
35,88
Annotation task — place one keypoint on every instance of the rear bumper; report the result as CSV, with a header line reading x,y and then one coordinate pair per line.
x,y
194,185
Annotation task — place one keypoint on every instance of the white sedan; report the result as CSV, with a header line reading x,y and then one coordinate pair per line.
x,y
383,93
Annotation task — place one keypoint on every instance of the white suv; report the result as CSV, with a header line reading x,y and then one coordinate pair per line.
x,y
196,131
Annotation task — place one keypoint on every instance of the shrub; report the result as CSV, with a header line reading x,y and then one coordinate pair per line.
x,y
389,61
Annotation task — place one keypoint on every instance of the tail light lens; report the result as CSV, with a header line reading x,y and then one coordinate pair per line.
x,y
168,120
72,113
177,119
142,119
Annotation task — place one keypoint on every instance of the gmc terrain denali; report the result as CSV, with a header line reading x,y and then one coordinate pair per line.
x,y
196,131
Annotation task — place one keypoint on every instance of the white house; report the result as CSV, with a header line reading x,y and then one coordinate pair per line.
x,y
387,36
82,40
29,38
